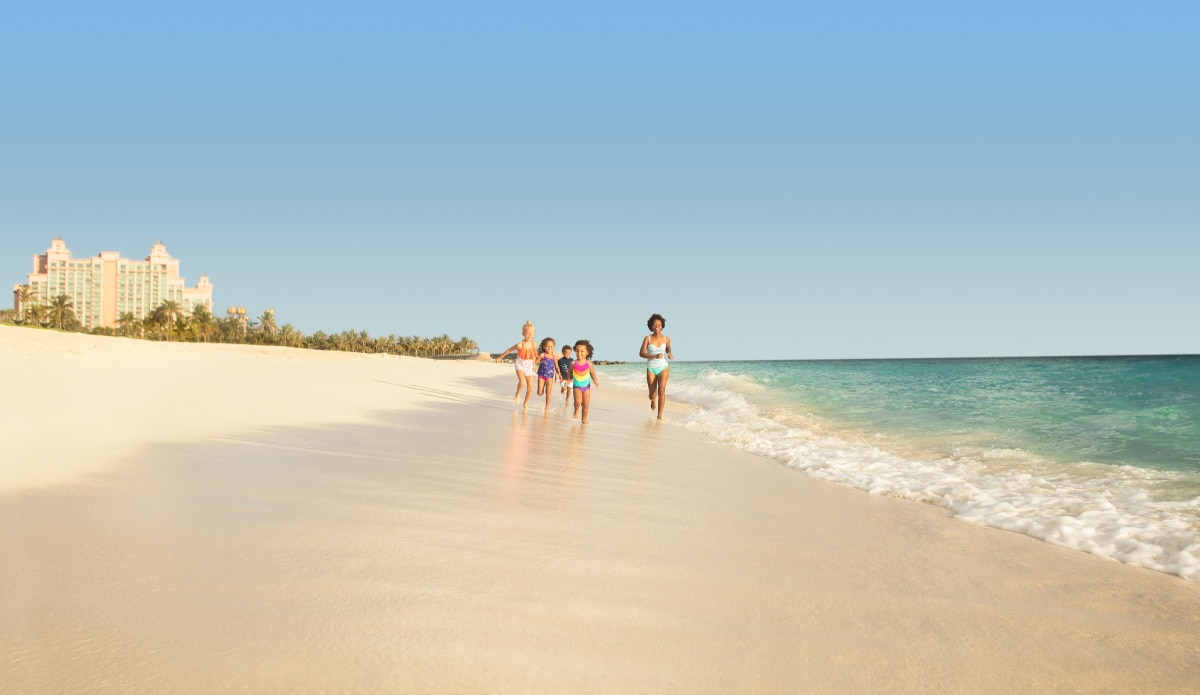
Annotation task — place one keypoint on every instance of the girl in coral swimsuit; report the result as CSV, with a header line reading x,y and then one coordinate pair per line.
x,y
526,350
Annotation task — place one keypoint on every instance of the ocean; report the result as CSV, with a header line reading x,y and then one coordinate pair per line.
x,y
1100,454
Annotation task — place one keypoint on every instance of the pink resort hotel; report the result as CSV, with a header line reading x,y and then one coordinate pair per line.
x,y
104,287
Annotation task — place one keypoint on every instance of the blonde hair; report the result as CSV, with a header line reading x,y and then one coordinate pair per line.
x,y
529,325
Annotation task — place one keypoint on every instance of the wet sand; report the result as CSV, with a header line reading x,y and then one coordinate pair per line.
x,y
460,545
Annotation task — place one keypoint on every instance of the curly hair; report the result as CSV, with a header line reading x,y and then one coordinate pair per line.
x,y
655,317
542,345
586,343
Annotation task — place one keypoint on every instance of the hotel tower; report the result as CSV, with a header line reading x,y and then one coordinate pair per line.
x,y
103,287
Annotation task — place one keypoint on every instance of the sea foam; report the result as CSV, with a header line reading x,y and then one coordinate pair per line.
x,y
1108,510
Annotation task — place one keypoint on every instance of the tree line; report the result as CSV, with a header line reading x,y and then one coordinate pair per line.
x,y
168,321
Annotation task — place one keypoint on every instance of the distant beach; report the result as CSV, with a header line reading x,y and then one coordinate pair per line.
x,y
213,518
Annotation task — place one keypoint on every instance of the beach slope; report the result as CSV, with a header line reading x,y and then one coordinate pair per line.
x,y
397,525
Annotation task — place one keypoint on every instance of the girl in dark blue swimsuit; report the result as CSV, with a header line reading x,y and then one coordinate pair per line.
x,y
547,368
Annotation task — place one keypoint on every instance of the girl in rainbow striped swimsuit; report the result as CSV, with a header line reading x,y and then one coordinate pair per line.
x,y
583,378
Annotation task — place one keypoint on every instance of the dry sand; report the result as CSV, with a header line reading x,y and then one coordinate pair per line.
x,y
190,518
77,404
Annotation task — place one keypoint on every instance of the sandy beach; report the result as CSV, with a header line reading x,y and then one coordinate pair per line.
x,y
217,518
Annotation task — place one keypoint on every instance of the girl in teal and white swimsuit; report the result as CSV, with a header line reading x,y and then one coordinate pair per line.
x,y
656,350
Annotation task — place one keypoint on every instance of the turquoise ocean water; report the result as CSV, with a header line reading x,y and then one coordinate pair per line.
x,y
1101,454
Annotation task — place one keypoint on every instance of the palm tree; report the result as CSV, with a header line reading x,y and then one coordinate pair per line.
x,y
229,330
267,321
166,314
25,301
289,336
202,322
62,312
129,325
37,314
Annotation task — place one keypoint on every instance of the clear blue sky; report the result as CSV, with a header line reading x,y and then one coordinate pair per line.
x,y
781,180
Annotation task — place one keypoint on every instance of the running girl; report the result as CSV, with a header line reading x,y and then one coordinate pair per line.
x,y
583,376
547,371
526,350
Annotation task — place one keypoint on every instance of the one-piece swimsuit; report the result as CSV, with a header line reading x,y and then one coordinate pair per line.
x,y
655,365
546,368
581,375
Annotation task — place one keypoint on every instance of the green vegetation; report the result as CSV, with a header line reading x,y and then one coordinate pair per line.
x,y
170,322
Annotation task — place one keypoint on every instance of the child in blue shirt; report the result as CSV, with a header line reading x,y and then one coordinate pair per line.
x,y
564,371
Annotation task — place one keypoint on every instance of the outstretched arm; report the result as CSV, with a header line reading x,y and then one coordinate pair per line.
x,y
511,349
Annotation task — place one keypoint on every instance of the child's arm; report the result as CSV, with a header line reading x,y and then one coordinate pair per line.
x,y
595,381
506,352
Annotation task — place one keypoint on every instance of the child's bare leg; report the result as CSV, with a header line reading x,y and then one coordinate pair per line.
x,y
517,395
528,391
587,401
549,392
575,411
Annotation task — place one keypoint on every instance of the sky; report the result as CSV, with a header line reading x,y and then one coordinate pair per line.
x,y
780,180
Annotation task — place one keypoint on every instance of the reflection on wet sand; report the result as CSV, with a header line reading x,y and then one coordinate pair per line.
x,y
512,465
572,466
542,459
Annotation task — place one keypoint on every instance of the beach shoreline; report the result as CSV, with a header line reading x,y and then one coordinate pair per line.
x,y
397,525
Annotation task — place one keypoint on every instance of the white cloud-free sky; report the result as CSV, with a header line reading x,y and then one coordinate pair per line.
x,y
781,180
